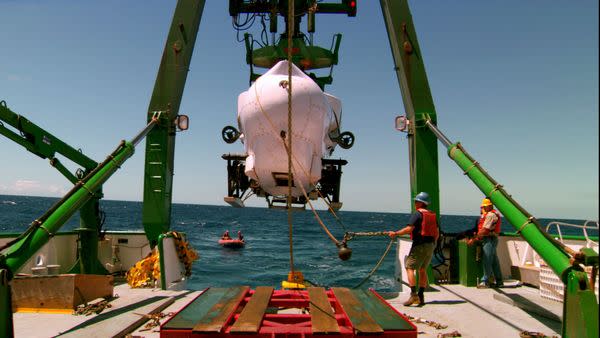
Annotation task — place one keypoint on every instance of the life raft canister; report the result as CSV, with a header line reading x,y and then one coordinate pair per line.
x,y
496,225
429,225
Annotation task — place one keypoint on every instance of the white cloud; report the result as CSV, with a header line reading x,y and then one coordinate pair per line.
x,y
12,77
33,187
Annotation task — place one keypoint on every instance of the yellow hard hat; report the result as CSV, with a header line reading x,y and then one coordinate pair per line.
x,y
486,202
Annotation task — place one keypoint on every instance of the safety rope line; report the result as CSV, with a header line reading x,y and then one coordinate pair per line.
x,y
376,265
319,220
290,29
335,216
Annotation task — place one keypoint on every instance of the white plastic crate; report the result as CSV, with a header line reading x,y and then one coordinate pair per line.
x,y
551,287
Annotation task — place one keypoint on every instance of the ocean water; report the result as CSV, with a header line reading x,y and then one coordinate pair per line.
x,y
266,258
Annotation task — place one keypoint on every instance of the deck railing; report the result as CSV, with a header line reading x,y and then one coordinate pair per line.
x,y
587,225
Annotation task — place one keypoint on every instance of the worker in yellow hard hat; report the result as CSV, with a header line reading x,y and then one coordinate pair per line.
x,y
488,229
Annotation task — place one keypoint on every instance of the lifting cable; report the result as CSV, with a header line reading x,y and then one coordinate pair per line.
x,y
290,32
288,148
349,235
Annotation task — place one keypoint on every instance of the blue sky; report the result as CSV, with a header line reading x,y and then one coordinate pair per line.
x,y
516,82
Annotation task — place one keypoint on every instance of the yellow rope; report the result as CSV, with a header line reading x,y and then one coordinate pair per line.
x,y
146,272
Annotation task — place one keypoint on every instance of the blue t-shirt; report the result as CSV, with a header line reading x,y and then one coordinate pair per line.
x,y
415,220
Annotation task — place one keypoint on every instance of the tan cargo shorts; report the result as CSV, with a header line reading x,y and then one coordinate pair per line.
x,y
419,256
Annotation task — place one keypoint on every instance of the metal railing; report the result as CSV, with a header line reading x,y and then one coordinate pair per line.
x,y
584,228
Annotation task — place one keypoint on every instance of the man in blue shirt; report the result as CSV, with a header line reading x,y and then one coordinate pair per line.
x,y
423,230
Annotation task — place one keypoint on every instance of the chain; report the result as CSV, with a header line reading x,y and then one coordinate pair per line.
x,y
90,308
431,323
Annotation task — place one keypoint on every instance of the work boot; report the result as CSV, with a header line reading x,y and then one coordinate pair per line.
x,y
483,285
421,297
413,299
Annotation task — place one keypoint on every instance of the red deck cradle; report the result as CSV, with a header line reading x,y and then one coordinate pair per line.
x,y
240,312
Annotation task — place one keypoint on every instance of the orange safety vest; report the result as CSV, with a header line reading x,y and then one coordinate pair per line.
x,y
496,225
429,225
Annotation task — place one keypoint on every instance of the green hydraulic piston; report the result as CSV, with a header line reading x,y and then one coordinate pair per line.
x,y
45,145
22,250
418,103
580,310
166,98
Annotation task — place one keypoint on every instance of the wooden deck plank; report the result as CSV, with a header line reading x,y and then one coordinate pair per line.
x,y
322,317
359,317
220,312
198,308
251,317
381,312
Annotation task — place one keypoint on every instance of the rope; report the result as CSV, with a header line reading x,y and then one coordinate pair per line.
x,y
376,265
289,132
338,220
333,239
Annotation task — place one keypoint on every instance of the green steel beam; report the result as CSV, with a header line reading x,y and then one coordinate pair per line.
x,y
166,98
418,103
39,141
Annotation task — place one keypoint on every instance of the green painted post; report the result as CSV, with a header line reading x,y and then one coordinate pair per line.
x,y
580,309
161,258
418,103
166,98
6,322
88,235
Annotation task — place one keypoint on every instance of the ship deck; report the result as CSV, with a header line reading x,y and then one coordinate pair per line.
x,y
469,311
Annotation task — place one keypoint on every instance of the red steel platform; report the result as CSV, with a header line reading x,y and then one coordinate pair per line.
x,y
268,313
